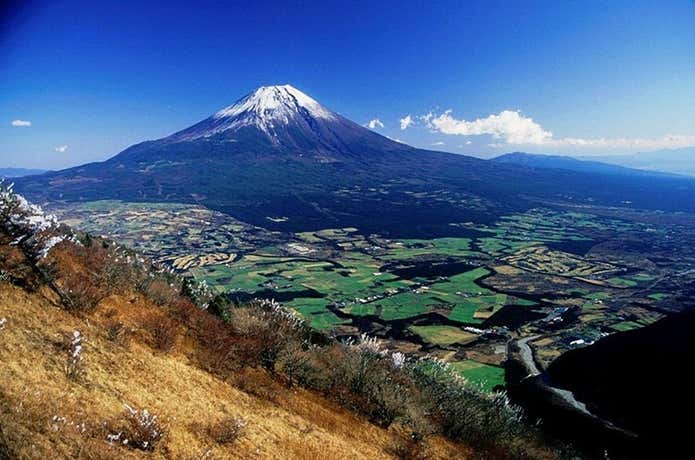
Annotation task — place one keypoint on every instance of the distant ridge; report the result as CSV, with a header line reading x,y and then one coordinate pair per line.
x,y
19,172
571,164
677,161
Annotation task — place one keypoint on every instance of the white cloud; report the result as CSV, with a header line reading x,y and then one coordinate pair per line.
x,y
375,123
61,148
509,125
406,122
438,143
513,128
21,123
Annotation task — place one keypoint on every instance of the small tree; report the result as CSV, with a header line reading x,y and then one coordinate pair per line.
x,y
293,362
74,367
228,430
138,429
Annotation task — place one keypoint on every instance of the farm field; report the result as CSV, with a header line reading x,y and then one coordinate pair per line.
x,y
444,335
484,375
544,272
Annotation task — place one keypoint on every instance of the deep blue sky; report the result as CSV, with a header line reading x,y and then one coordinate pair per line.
x,y
99,76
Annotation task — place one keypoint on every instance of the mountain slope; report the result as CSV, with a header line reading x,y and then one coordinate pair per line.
x,y
285,119
279,159
270,123
187,399
676,161
570,164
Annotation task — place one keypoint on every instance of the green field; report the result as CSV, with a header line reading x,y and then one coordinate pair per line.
x,y
465,301
626,326
443,335
409,248
485,376
357,285
622,282
525,303
658,296
405,305
597,296
325,321
642,277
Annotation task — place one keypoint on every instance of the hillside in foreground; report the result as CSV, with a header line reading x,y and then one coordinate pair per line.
x,y
106,356
46,414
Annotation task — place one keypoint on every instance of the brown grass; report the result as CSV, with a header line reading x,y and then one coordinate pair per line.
x,y
227,430
163,330
34,389
116,332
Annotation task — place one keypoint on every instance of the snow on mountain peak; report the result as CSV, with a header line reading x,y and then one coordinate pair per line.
x,y
267,108
275,103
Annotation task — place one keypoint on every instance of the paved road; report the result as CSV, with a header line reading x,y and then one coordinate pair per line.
x,y
527,356
566,396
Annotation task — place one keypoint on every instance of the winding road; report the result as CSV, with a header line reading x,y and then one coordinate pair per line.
x,y
526,354
566,396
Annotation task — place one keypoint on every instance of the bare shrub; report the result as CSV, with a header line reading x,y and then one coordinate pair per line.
x,y
411,447
186,312
88,273
219,351
463,412
363,379
136,429
247,324
294,363
272,328
118,270
77,271
81,292
222,354
16,268
161,292
227,430
201,294
116,331
163,331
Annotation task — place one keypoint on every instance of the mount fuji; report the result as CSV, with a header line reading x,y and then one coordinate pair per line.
x,y
281,119
279,159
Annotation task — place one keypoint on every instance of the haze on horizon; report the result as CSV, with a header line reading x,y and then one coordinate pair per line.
x,y
80,82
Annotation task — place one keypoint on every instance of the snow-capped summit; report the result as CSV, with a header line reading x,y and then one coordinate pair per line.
x,y
275,103
268,108
284,118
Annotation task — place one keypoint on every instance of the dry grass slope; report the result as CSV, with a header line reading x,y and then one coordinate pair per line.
x,y
44,414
